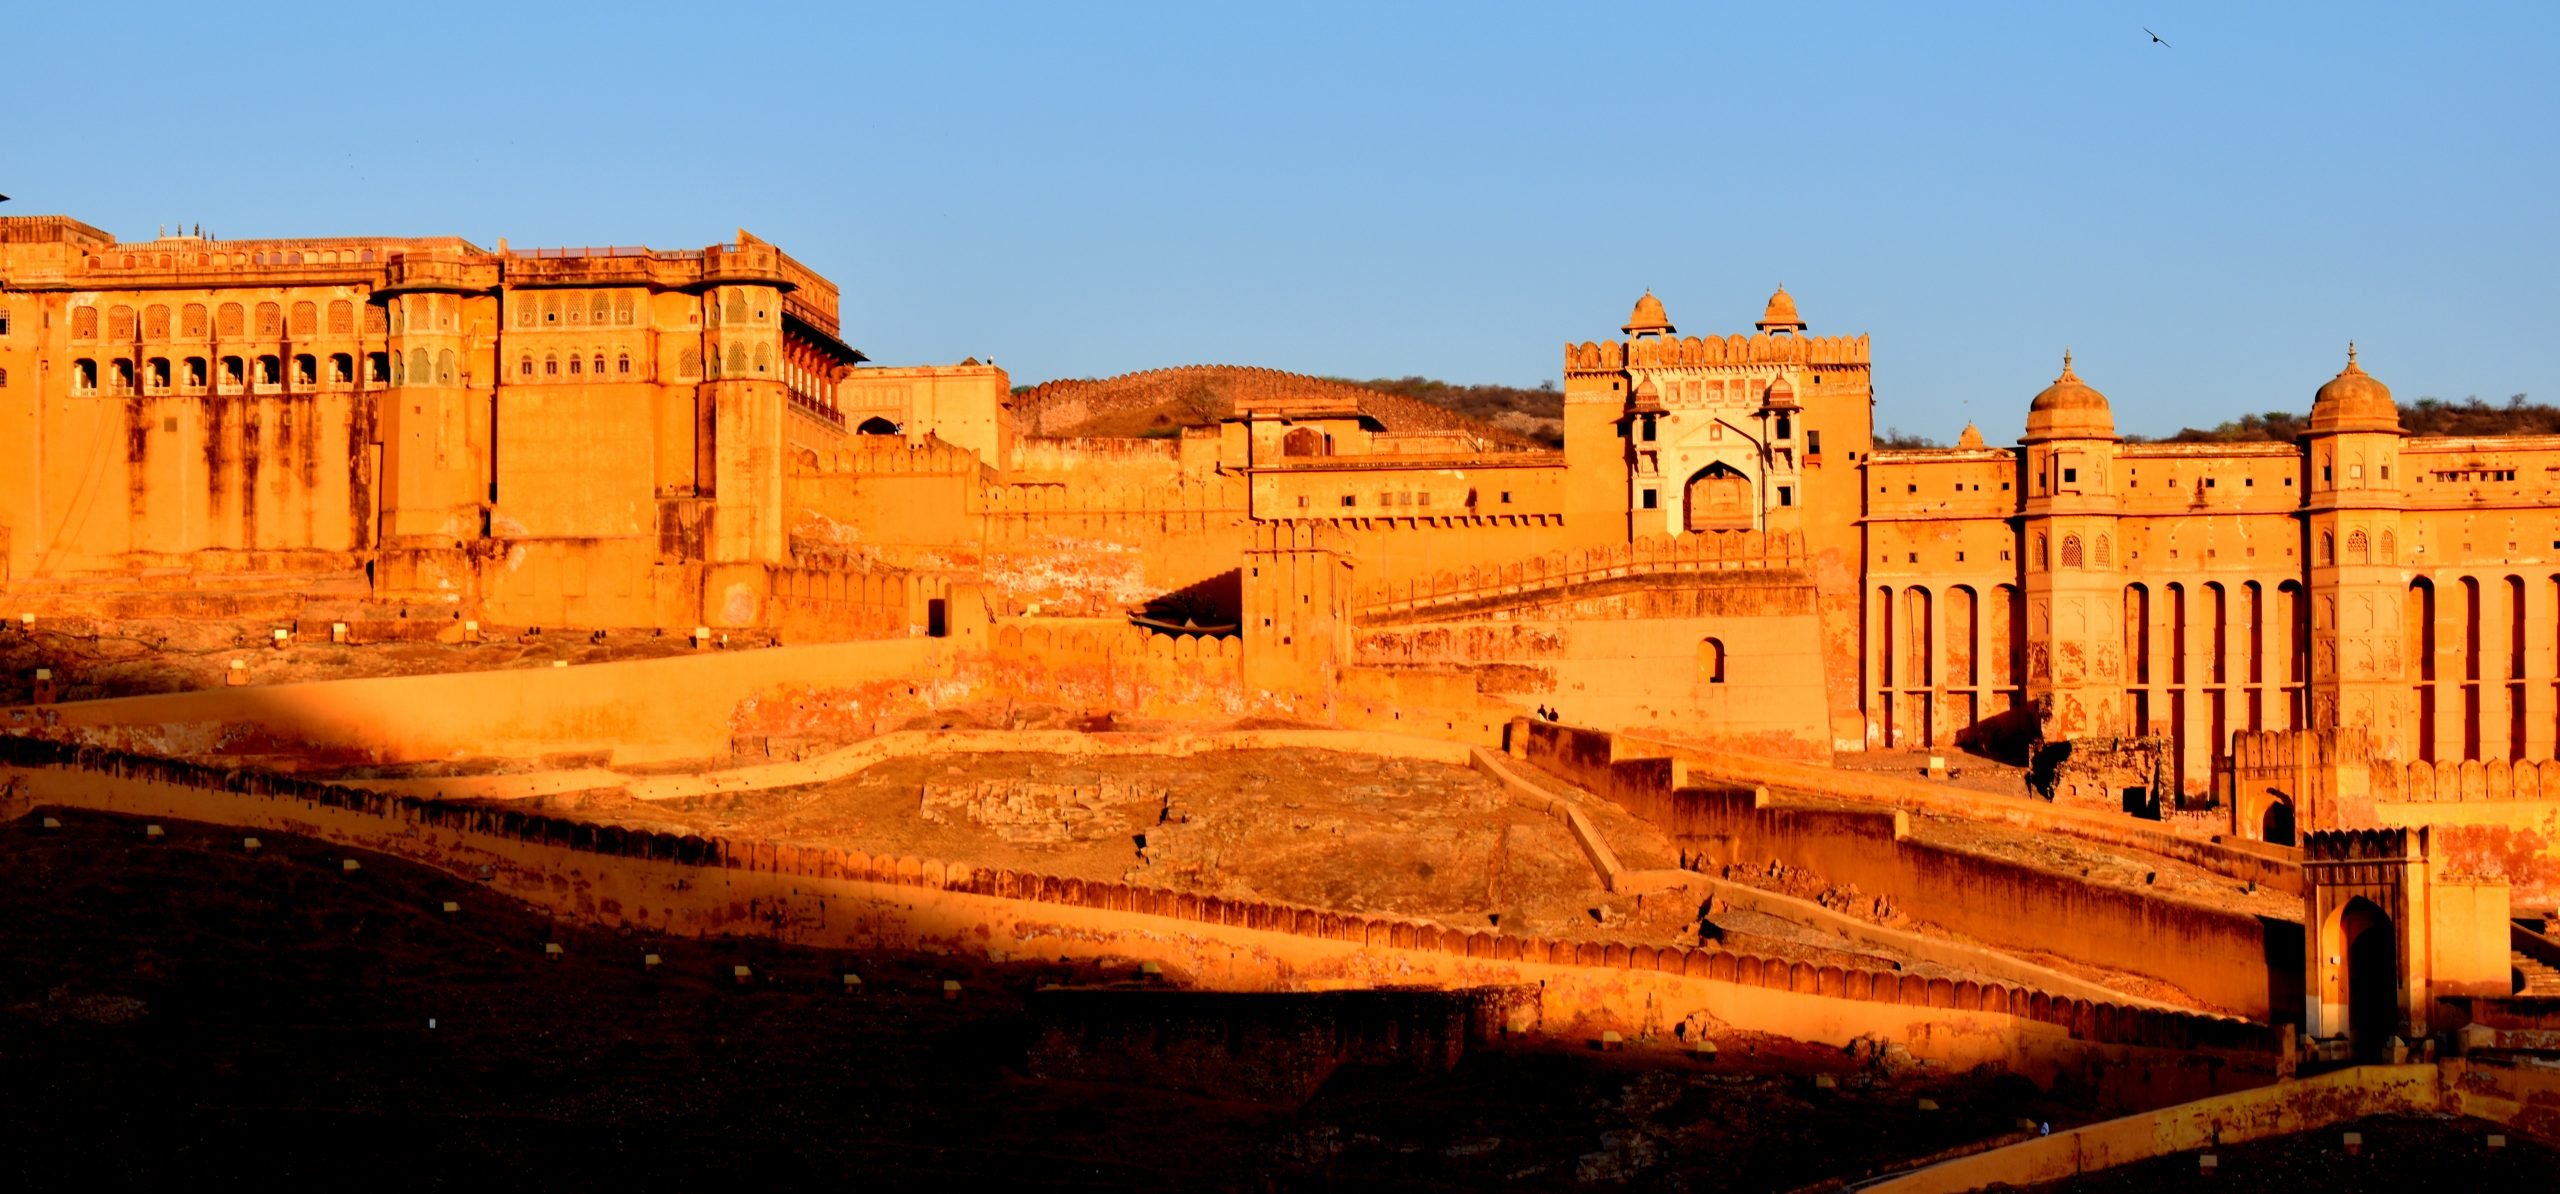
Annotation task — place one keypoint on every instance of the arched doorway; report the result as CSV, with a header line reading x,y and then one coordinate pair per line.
x,y
2277,827
1719,499
2371,949
876,426
1304,441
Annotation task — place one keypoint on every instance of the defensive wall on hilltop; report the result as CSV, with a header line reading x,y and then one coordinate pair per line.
x,y
697,886
2248,964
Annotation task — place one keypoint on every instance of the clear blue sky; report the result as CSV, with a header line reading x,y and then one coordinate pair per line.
x,y
1396,189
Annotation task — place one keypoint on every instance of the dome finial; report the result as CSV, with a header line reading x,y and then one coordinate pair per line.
x,y
2066,362
2351,352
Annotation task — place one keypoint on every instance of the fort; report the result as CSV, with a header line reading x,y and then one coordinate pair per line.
x,y
619,580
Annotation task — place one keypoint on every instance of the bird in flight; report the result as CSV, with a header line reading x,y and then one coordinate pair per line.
x,y
2156,37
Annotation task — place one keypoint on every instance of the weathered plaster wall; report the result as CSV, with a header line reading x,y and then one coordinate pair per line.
x,y
2226,959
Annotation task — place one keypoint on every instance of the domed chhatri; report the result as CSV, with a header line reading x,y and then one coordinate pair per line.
x,y
1970,437
1648,318
1780,315
2354,400
2070,408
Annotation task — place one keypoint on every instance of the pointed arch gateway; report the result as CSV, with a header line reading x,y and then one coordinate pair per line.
x,y
1718,498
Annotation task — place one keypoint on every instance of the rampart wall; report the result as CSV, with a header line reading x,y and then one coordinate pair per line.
x,y
2496,818
698,886
2226,959
630,712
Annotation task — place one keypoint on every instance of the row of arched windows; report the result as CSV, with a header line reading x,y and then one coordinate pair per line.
x,y
2073,553
579,365
554,308
231,318
742,363
236,374
731,307
2359,547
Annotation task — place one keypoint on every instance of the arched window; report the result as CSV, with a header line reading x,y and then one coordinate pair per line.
x,y
2390,547
622,364
599,369
737,360
875,425
444,367
399,316
597,308
2106,552
736,311
524,367
622,308
689,366
342,368
84,323
306,319
4,379
1302,441
576,365
524,313
191,320
377,366
550,308
2328,548
155,322
764,358
270,371
2358,547
365,257
194,373
306,370
155,375
2071,551
550,365
2044,558
418,374
120,324
270,319
84,376
1711,661
342,318
232,315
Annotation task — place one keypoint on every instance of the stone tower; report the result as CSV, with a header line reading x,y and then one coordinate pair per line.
x,y
2360,603
2074,602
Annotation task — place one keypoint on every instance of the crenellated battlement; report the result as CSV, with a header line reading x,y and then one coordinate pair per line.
x,y
2479,780
860,454
1610,356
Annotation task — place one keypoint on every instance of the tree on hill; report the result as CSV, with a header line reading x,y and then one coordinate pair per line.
x,y
2426,416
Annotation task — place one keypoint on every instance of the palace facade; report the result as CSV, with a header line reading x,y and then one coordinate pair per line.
x,y
629,437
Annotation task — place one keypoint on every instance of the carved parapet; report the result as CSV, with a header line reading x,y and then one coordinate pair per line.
x,y
411,272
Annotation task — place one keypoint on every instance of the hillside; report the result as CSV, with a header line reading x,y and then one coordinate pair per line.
x,y
2426,416
1160,402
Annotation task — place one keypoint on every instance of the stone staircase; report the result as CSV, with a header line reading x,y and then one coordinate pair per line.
x,y
2541,981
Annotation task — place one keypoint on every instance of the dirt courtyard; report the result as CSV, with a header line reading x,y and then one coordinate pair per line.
x,y
1351,832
